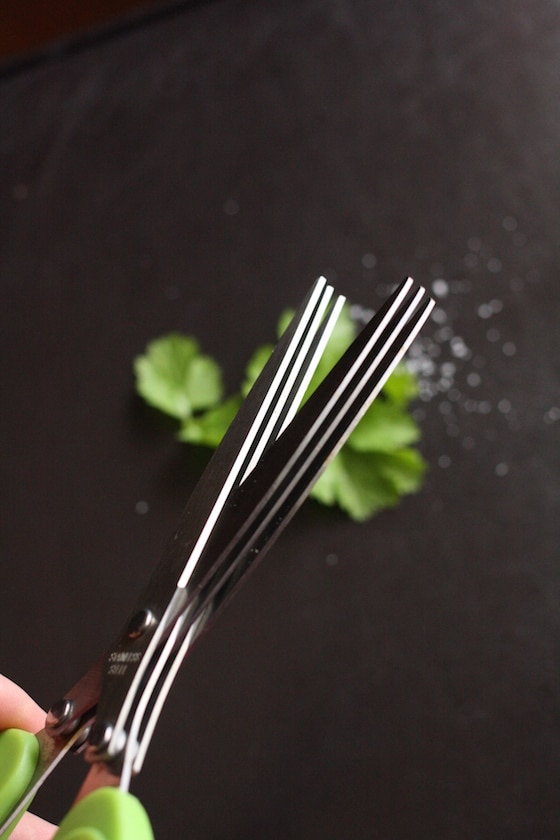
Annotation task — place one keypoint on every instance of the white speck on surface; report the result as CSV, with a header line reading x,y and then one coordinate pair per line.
x,y
439,315
484,311
459,348
141,507
440,287
474,379
509,349
509,224
448,369
444,461
504,406
443,334
231,207
331,559
501,469
552,415
360,313
494,265
369,260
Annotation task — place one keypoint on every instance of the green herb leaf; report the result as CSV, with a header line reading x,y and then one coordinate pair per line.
x,y
209,427
254,366
385,427
375,467
362,484
401,387
174,376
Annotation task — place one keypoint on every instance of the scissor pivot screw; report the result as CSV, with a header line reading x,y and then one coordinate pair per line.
x,y
59,715
139,623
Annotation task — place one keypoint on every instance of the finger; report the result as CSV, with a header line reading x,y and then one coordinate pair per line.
x,y
17,709
31,827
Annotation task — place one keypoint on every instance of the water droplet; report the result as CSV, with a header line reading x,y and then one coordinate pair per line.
x,y
510,224
493,335
331,559
552,415
141,507
504,406
473,379
484,311
459,348
440,287
501,469
444,461
509,349
369,260
360,313
494,265
443,334
496,305
439,315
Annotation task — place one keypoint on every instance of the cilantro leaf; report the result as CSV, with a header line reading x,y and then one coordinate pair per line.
x,y
401,387
375,467
254,366
385,427
362,484
209,427
174,376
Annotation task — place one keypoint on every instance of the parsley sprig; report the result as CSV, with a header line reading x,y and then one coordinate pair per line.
x,y
378,463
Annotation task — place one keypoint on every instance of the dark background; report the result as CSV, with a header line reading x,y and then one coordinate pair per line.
x,y
196,170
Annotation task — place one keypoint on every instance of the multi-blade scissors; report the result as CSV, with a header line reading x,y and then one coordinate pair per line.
x,y
260,474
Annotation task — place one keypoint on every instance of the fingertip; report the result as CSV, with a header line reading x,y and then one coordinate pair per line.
x,y
18,709
31,827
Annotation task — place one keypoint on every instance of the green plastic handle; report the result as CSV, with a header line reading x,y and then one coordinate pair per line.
x,y
106,814
19,753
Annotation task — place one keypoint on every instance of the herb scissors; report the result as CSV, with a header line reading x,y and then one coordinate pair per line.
x,y
262,471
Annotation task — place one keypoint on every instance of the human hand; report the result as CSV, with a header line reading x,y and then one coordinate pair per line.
x,y
19,711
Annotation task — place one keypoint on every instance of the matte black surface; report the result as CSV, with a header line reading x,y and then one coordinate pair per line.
x,y
398,679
